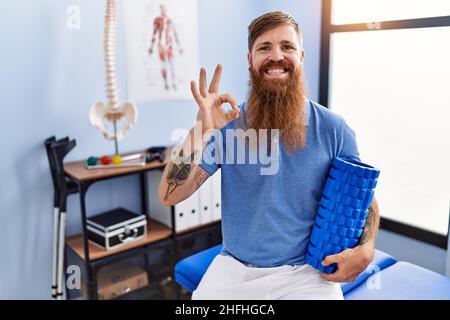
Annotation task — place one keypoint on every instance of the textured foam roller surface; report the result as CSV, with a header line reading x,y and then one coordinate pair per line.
x,y
342,212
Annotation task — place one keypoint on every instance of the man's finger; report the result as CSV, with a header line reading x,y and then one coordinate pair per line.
x,y
330,260
226,97
334,277
202,84
195,92
328,277
234,114
214,86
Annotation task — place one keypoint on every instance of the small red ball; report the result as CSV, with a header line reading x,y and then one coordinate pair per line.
x,y
105,160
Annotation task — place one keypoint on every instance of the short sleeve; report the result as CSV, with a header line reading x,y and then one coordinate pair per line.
x,y
348,147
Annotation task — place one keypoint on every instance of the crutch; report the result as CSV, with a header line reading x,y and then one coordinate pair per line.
x,y
60,150
56,151
48,143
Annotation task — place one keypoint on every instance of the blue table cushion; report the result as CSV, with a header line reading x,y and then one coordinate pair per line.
x,y
189,271
403,281
380,261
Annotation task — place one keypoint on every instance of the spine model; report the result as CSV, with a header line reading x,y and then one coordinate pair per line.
x,y
113,110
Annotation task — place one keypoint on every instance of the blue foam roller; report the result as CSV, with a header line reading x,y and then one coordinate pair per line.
x,y
358,233
375,173
336,174
339,164
322,224
344,242
330,187
354,192
335,239
341,221
359,171
372,184
350,223
363,214
315,236
339,209
334,229
356,214
368,200
359,224
361,193
327,203
342,212
326,214
347,211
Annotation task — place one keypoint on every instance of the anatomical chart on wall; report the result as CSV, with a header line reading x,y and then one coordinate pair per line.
x,y
161,41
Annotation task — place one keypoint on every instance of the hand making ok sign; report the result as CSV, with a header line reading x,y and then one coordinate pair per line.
x,y
211,113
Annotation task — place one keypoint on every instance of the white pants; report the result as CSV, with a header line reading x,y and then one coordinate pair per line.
x,y
230,279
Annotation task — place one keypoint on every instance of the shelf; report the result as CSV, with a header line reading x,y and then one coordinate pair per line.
x,y
155,232
77,170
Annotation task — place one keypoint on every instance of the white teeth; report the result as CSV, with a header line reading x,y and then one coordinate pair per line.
x,y
275,71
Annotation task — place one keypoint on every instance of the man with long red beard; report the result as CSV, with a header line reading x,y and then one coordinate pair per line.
x,y
267,219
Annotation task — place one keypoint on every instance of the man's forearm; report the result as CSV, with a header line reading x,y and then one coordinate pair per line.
x,y
372,225
181,167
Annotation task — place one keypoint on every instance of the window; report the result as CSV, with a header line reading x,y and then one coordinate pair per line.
x,y
362,11
391,82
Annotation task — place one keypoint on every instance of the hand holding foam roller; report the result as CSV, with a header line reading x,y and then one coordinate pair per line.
x,y
342,211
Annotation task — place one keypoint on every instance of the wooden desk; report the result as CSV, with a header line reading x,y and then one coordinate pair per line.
x,y
90,253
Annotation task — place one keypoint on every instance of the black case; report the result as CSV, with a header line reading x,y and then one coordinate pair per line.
x,y
115,228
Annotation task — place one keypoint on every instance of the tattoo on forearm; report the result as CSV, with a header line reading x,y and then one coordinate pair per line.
x,y
201,176
179,171
369,227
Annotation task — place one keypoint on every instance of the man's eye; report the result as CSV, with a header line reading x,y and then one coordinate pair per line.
x,y
288,47
263,49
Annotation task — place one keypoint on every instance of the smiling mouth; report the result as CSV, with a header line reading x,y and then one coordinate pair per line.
x,y
275,71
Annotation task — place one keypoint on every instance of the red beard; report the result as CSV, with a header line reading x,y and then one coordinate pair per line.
x,y
278,104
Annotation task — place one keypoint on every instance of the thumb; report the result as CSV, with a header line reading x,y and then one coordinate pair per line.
x,y
330,260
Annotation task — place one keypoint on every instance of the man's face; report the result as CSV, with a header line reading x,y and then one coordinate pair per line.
x,y
276,53
277,90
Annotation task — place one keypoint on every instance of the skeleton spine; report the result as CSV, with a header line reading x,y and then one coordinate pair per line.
x,y
110,55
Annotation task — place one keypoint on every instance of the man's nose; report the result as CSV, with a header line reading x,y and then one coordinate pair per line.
x,y
276,55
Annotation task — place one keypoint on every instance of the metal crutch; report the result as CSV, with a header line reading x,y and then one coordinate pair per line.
x,y
50,156
60,150
56,151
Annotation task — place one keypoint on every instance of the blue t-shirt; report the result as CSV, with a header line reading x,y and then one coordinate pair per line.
x,y
267,219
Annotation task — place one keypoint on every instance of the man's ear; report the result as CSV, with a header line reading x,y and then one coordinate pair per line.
x,y
302,56
249,59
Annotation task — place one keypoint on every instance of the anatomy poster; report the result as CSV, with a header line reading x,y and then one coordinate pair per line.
x,y
161,40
